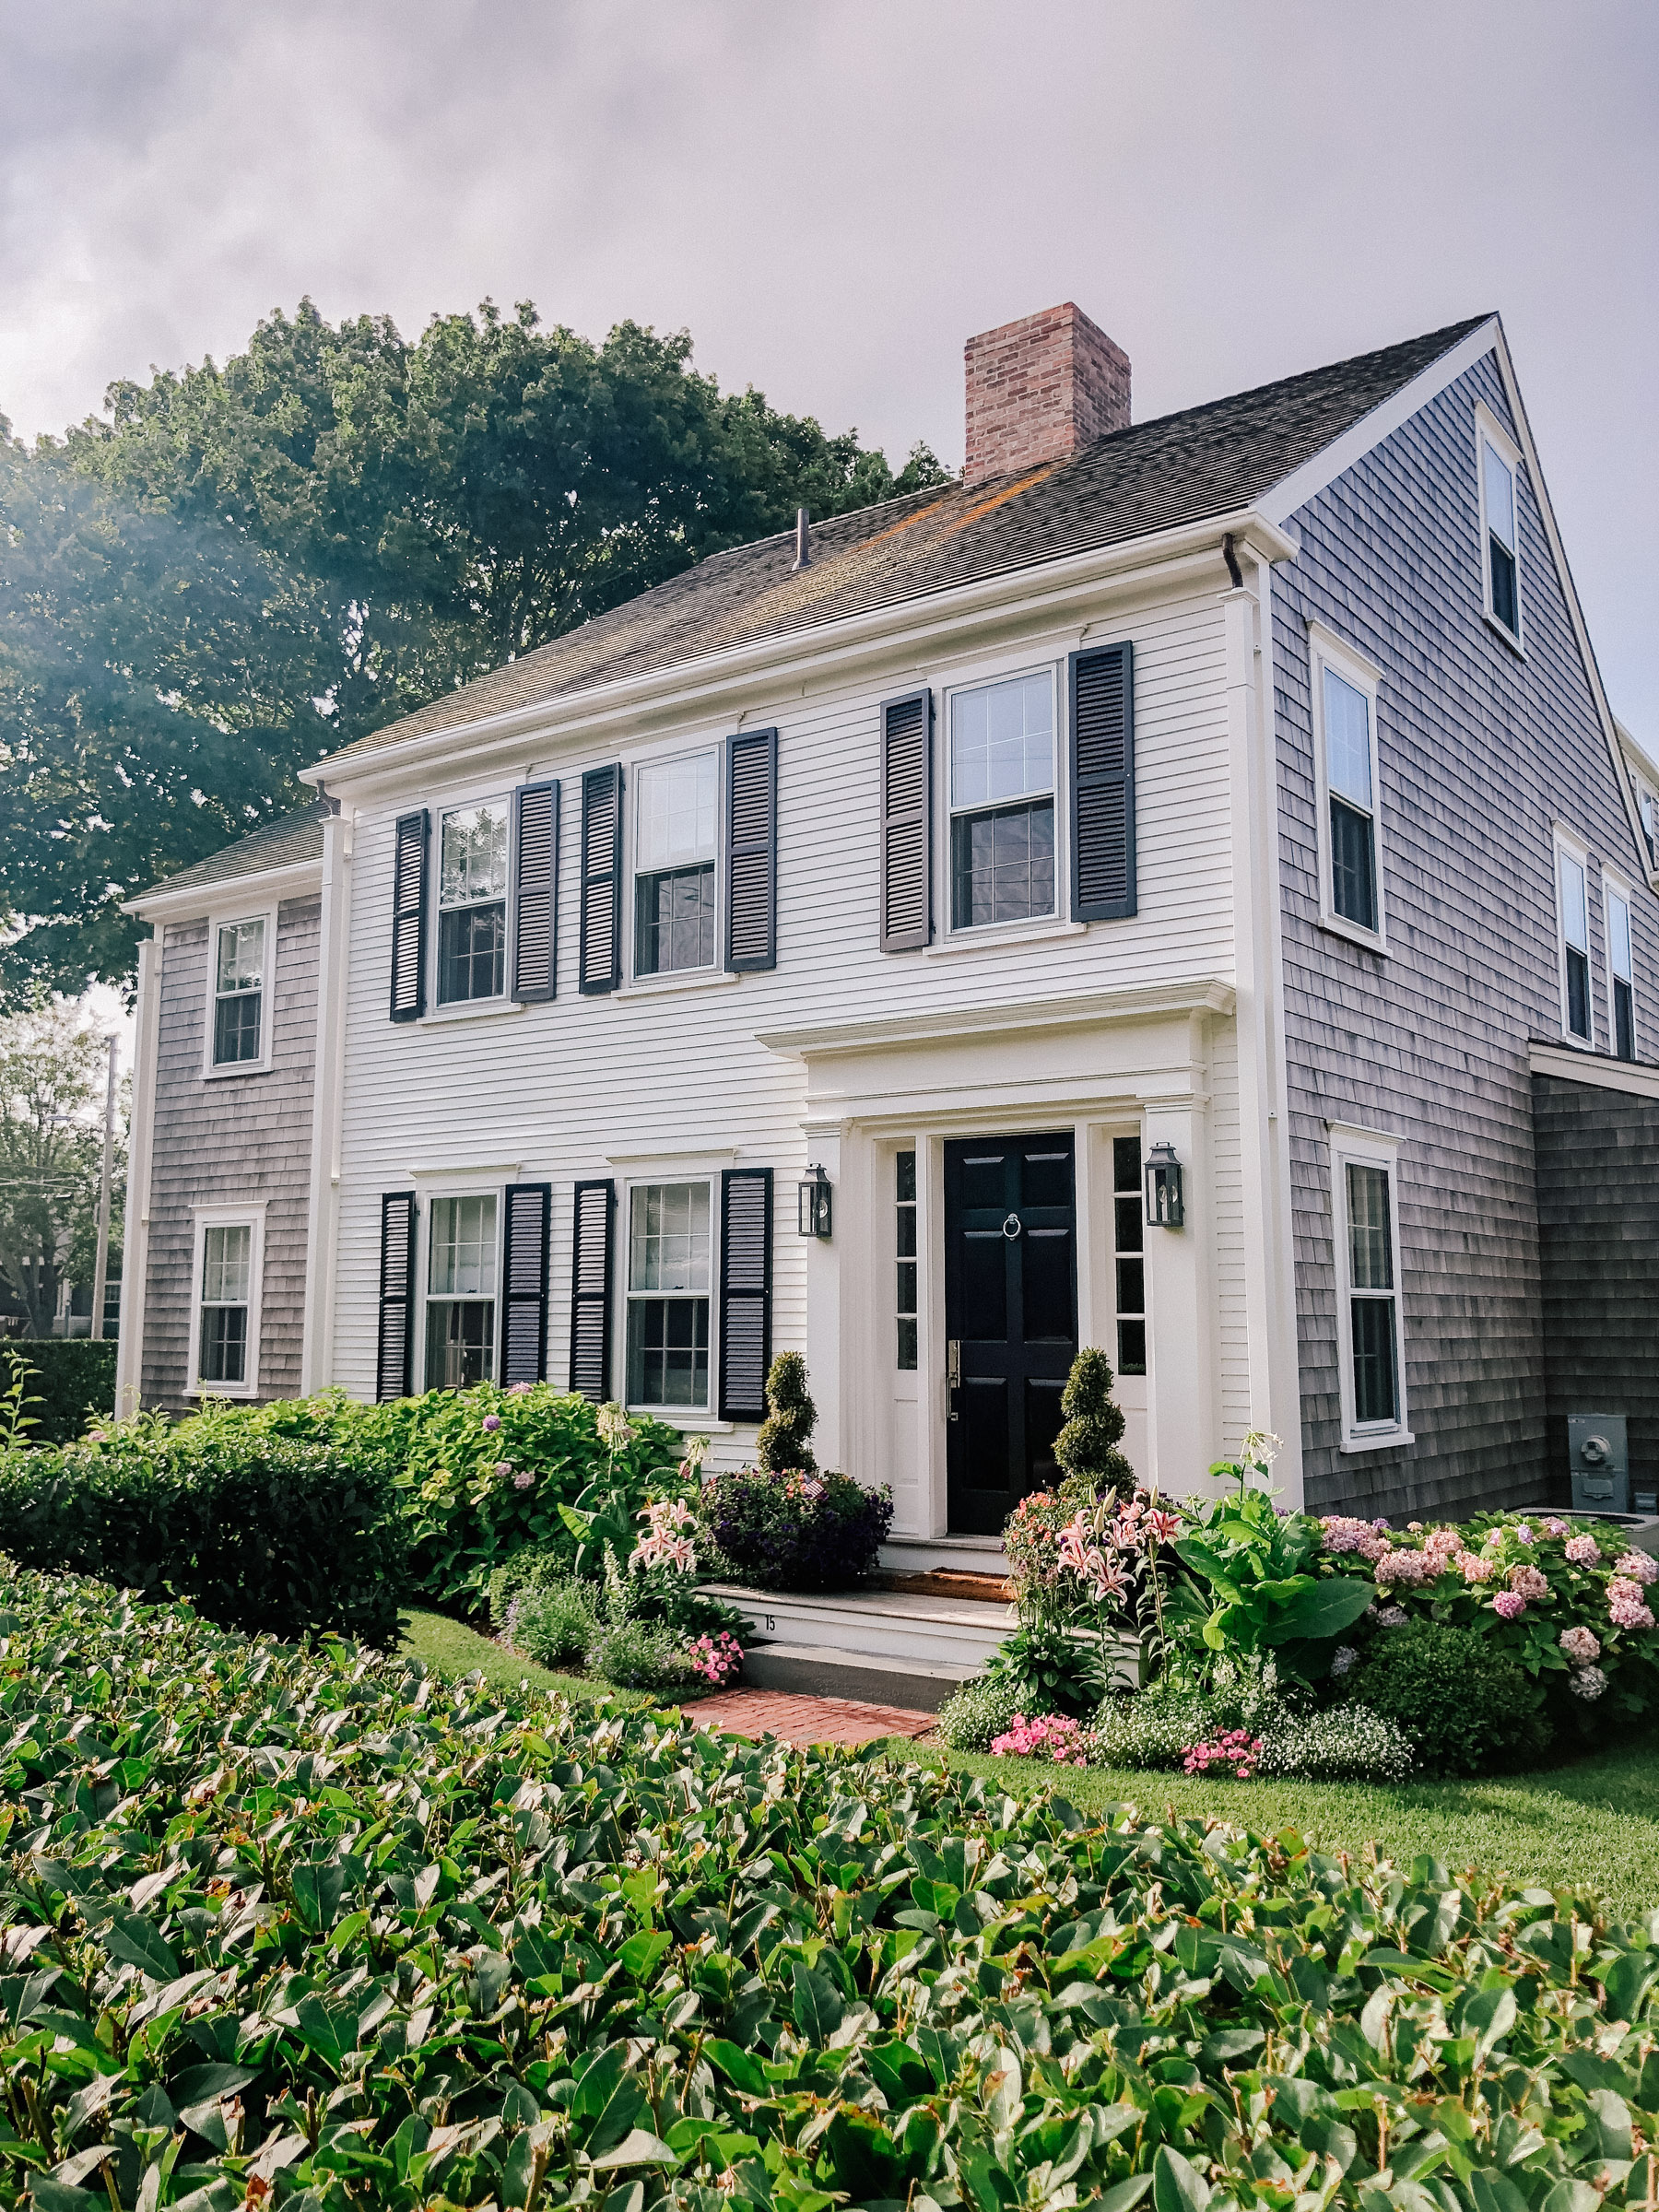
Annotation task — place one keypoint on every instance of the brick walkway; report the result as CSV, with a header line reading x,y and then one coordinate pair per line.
x,y
796,1719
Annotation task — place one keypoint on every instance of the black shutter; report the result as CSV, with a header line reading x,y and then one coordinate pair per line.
x,y
752,851
525,1270
601,879
1102,792
907,822
535,891
409,917
398,1215
589,1290
746,1221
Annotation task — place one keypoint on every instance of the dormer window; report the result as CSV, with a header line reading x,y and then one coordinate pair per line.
x,y
1500,524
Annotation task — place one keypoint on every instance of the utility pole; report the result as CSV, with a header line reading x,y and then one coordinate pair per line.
x,y
100,1272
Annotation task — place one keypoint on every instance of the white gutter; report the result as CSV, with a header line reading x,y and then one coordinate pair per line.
x,y
196,902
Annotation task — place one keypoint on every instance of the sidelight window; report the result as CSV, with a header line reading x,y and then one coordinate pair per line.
x,y
1002,802
676,816
904,1210
461,1292
669,1250
1129,1261
471,903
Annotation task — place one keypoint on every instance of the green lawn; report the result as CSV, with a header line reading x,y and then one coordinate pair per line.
x,y
1593,1823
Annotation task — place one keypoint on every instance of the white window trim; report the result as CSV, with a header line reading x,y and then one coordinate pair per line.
x,y
451,1009
1059,923
1488,431
704,1418
1615,887
250,1213
456,1182
1365,1148
226,918
715,970
1563,841
1326,649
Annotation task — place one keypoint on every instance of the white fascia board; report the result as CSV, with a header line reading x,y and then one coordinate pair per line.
x,y
1304,483
1641,754
200,899
1133,1002
1573,1064
930,623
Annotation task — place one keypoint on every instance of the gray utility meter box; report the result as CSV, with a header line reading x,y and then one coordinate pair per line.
x,y
1597,1453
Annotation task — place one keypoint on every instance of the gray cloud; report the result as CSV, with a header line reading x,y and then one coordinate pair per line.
x,y
833,196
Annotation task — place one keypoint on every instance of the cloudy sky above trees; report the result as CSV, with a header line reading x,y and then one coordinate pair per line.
x,y
832,196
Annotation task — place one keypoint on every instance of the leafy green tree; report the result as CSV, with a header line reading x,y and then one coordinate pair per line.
x,y
51,1090
246,566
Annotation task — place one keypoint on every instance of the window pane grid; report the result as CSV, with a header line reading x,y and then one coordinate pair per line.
x,y
673,921
669,1250
239,993
1373,1296
227,1289
904,1185
1129,1266
474,866
1002,866
1002,742
677,810
472,902
463,1260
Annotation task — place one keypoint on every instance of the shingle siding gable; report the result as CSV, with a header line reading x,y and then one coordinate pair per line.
x,y
1479,754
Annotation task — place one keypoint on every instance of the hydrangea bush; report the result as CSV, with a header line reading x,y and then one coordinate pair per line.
x,y
1571,1602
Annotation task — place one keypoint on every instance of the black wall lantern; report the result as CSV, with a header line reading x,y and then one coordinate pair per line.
x,y
1164,1206
812,1203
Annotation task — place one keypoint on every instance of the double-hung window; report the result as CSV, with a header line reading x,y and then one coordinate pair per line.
x,y
461,1291
225,1328
1365,1220
1002,802
1573,907
1344,737
240,956
1621,1006
676,816
472,902
669,1273
1500,524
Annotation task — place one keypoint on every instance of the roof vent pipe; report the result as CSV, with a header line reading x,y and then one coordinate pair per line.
x,y
803,559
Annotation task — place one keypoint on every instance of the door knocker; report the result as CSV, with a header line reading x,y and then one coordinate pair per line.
x,y
1011,1226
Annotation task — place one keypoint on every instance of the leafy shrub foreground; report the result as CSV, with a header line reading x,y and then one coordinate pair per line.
x,y
65,1379
318,1930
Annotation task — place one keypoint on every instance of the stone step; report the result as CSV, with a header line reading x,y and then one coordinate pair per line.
x,y
956,1635
820,1670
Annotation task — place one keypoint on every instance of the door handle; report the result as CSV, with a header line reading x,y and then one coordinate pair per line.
x,y
953,1364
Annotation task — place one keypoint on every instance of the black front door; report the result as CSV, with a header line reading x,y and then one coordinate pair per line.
x,y
1010,1319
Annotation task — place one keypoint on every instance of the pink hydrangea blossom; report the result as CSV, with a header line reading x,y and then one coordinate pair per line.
x,y
520,1389
1580,1645
1625,1605
1401,1570
1414,1529
1587,1682
1637,1565
1476,1569
1044,1736
1509,1604
1345,1534
523,1479
1584,1551
1392,1617
1528,1583
503,1468
492,1421
1555,1528
1523,1532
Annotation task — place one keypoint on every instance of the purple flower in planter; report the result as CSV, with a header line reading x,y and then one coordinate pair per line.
x,y
492,1421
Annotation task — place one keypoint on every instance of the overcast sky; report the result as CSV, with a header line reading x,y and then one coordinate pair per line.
x,y
832,196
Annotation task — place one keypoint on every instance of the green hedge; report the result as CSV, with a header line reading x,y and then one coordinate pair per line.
x,y
258,1531
66,1382
317,1931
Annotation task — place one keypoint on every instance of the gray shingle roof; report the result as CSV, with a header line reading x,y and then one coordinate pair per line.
x,y
1179,468
290,838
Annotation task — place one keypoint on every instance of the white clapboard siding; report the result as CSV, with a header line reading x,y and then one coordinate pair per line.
x,y
558,1087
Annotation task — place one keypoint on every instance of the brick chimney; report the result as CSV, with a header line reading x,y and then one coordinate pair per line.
x,y
1039,389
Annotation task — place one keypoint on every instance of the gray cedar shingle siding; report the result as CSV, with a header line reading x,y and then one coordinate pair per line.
x,y
1479,753
234,1137
1598,1232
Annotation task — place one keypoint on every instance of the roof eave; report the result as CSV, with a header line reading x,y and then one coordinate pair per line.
x,y
842,640
198,901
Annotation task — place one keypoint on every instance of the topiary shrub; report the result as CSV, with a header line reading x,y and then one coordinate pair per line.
x,y
1465,1706
1086,1448
796,1531
791,1418
67,1382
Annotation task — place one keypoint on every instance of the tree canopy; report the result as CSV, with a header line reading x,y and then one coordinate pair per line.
x,y
51,1099
241,567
